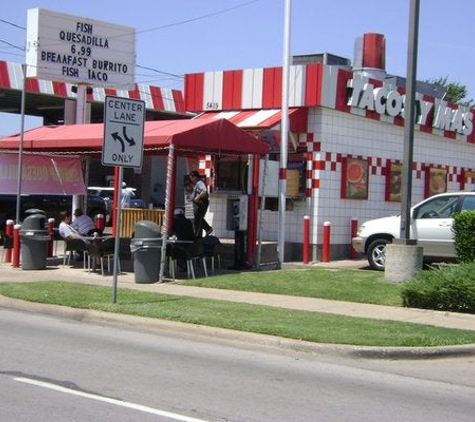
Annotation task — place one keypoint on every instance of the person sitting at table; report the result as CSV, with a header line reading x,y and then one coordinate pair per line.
x,y
67,232
182,228
83,224
65,228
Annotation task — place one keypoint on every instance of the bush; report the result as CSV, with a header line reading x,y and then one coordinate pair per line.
x,y
450,288
463,229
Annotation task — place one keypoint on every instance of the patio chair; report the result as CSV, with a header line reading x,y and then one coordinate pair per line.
x,y
190,253
75,245
105,251
211,250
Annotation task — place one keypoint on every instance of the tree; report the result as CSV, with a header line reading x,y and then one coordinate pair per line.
x,y
456,93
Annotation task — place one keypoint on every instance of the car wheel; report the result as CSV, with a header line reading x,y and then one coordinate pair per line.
x,y
377,254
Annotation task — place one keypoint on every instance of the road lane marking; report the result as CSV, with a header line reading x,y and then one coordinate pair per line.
x,y
109,400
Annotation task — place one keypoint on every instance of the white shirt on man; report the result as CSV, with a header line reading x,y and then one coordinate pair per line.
x,y
65,230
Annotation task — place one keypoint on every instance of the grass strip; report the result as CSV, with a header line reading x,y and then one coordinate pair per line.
x,y
303,325
360,286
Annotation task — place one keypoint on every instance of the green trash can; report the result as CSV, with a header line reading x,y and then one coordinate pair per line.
x,y
146,248
34,239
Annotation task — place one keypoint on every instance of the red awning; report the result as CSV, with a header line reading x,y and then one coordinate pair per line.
x,y
207,135
261,119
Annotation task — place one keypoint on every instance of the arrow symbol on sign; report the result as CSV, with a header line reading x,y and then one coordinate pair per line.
x,y
116,137
130,141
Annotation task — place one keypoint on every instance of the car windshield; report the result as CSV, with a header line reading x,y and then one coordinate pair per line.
x,y
104,193
440,207
107,193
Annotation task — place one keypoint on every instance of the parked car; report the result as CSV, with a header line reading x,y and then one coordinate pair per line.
x,y
52,205
430,224
107,193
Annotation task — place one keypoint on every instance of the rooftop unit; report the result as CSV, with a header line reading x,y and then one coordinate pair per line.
x,y
324,58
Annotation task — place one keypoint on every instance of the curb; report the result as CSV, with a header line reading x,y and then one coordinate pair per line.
x,y
234,337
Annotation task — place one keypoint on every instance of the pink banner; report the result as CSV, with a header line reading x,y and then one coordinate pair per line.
x,y
42,175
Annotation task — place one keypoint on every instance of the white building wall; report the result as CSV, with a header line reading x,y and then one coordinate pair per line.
x,y
341,135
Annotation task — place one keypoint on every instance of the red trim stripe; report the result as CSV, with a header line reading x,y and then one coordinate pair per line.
x,y
32,85
178,100
194,88
242,116
4,77
313,84
134,93
110,92
471,137
232,89
89,96
157,98
59,89
272,87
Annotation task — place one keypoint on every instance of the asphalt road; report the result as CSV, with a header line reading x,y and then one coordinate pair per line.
x,y
54,369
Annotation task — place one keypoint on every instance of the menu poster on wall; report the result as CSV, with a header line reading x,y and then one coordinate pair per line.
x,y
354,181
467,180
393,182
436,181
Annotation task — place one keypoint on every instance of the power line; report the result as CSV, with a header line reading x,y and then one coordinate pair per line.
x,y
12,45
159,71
12,24
208,15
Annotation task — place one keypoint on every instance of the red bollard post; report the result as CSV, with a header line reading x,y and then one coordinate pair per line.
x,y
100,222
326,242
16,245
9,236
306,239
51,236
354,229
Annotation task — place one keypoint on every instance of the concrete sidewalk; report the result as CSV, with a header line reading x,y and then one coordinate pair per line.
x,y
77,274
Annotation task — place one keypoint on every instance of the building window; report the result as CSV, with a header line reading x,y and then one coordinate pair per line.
x,y
231,174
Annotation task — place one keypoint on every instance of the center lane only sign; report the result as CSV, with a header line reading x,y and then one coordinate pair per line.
x,y
123,132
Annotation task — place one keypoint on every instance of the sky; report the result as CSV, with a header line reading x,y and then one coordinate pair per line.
x,y
186,36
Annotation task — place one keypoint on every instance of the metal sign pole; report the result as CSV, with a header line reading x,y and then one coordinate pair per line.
x,y
122,147
81,117
117,239
409,121
284,133
20,151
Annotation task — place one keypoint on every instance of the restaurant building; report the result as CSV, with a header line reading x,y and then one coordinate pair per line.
x,y
345,143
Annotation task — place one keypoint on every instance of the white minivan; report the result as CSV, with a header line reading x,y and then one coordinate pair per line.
x,y
431,225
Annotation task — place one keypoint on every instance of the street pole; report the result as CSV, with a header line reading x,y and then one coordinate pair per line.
x,y
403,257
20,150
284,132
409,121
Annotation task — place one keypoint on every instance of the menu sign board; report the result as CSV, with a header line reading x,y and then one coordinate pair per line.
x,y
79,50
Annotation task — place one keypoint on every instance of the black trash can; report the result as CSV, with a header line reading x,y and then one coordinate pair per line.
x,y
146,247
34,239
